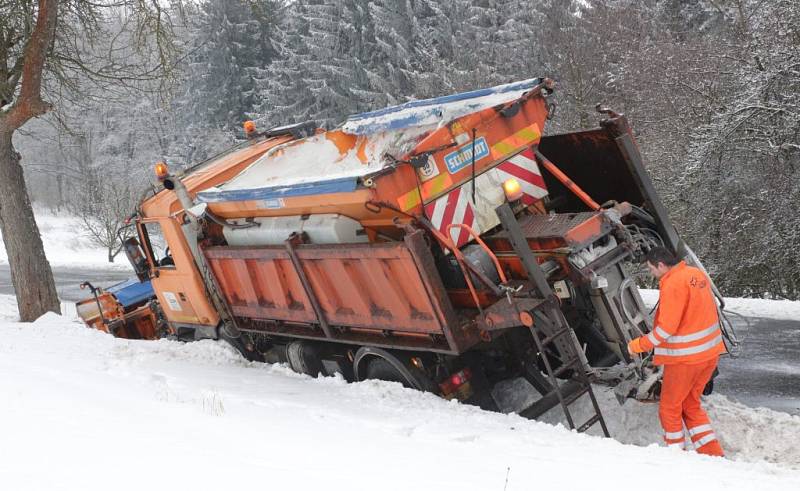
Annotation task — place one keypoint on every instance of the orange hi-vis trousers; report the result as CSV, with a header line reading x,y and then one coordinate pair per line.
x,y
681,388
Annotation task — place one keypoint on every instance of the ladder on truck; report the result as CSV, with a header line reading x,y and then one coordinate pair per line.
x,y
552,329
562,336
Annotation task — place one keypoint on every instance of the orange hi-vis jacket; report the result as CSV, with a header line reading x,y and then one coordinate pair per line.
x,y
686,322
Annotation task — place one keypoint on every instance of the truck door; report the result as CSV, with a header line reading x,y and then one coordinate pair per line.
x,y
174,276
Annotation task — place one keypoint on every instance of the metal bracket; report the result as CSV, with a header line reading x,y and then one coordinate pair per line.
x,y
312,297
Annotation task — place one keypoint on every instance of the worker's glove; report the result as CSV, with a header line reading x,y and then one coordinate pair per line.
x,y
634,346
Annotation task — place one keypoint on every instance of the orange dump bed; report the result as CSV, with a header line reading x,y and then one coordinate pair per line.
x,y
381,294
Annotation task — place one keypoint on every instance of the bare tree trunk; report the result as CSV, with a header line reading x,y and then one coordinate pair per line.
x,y
30,271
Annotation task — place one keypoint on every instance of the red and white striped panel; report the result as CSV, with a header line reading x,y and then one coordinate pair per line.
x,y
524,168
454,207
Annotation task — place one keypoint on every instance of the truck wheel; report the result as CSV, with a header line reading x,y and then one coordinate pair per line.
x,y
384,365
380,369
304,358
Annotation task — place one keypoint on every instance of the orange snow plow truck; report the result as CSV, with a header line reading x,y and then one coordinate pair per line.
x,y
448,244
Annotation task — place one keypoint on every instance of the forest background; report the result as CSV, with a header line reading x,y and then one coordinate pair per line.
x,y
711,88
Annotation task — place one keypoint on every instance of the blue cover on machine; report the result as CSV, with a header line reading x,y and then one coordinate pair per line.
x,y
271,195
414,112
131,292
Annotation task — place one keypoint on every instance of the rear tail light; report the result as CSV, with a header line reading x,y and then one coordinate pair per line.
x,y
457,385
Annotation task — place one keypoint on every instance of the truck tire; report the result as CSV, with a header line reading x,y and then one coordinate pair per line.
x,y
304,358
379,364
380,369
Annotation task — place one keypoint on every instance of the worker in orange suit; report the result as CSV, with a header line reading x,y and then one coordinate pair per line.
x,y
687,340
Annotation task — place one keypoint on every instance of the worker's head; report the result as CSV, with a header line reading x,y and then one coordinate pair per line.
x,y
659,260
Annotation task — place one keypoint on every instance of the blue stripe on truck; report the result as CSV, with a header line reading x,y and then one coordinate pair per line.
x,y
341,185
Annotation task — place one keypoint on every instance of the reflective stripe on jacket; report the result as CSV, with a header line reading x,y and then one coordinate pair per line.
x,y
686,322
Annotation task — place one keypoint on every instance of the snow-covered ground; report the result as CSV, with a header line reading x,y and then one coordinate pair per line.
x,y
83,410
67,246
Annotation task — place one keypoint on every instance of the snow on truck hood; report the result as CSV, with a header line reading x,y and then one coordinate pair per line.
x,y
332,161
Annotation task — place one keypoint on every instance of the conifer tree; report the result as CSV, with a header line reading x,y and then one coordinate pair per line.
x,y
232,41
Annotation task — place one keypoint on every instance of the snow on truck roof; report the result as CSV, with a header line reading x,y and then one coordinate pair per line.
x,y
332,161
435,111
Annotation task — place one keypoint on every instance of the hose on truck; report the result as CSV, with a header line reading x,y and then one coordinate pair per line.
x,y
726,326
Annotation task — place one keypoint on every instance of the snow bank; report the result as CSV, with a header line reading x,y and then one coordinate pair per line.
x,y
66,246
748,307
82,409
747,434
9,312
